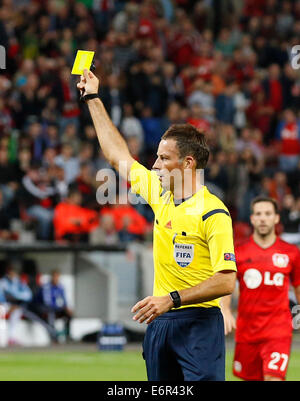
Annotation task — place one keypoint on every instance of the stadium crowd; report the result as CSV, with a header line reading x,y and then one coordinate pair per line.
x,y
25,295
224,67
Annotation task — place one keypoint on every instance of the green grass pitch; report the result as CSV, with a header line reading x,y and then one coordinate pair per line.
x,y
80,365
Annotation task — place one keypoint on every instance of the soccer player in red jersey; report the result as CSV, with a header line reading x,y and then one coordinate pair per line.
x,y
266,267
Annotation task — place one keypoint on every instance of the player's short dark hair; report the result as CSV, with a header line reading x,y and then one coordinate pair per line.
x,y
263,198
190,142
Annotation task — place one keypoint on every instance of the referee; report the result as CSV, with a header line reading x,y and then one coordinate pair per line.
x,y
194,260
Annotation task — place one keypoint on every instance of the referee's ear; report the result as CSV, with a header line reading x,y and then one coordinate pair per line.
x,y
189,162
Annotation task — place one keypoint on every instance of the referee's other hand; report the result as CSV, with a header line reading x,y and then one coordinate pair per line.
x,y
150,308
229,321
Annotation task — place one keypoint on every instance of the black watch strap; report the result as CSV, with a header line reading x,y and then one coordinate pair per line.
x,y
175,298
89,97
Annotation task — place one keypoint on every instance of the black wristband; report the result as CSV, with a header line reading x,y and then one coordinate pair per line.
x,y
89,97
174,295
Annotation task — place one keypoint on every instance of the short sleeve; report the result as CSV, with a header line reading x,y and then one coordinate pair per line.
x,y
295,274
219,236
145,183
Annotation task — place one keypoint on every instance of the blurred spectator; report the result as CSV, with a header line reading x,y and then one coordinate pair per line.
x,y
66,93
29,97
70,137
238,67
122,18
288,137
72,222
5,231
197,118
285,19
228,137
173,82
252,172
260,112
152,127
2,300
90,138
202,95
225,43
233,179
36,138
279,187
290,218
131,126
124,52
217,174
203,62
135,148
100,162
30,275
15,293
129,224
160,63
154,92
37,202
249,139
219,74
51,303
68,162
8,183
273,88
173,116
49,158
290,85
6,121
50,113
22,163
18,297
113,98
85,183
51,136
57,175
106,233
241,104
225,106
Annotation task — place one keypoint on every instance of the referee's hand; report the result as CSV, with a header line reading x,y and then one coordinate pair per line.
x,y
149,308
229,321
88,84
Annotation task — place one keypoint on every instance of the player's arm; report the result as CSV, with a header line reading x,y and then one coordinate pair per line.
x,y
220,284
113,145
295,275
297,294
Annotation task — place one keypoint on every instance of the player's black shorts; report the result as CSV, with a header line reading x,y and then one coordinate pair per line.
x,y
186,344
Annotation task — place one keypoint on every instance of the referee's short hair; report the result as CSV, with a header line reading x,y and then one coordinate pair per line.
x,y
264,198
190,142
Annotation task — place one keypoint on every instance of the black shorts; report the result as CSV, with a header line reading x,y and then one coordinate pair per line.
x,y
186,345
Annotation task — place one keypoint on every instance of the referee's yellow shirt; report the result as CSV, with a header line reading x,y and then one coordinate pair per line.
x,y
191,241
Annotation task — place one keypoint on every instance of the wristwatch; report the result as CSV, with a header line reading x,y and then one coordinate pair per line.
x,y
174,295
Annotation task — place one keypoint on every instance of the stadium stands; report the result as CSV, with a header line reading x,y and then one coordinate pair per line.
x,y
223,66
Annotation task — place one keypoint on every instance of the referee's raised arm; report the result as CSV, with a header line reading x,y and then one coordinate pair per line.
x,y
113,145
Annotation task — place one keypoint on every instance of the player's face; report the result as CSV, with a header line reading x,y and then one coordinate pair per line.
x,y
264,218
168,164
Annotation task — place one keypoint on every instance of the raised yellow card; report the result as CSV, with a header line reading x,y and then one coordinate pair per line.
x,y
83,60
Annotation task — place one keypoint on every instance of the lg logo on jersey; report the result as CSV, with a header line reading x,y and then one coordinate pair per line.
x,y
253,278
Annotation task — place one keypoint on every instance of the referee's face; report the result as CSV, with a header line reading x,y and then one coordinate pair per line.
x,y
168,165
